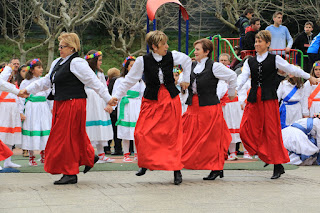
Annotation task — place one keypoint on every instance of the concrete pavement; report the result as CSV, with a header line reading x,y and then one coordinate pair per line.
x,y
122,191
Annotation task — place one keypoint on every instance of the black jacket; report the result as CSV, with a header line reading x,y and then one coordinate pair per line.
x,y
242,24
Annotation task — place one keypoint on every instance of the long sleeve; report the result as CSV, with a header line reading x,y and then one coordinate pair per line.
x,y
185,61
7,87
39,85
22,100
224,73
131,78
5,74
43,83
283,65
81,69
289,38
306,93
244,76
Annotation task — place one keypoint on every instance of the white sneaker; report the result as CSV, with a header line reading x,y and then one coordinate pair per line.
x,y
11,165
256,157
105,160
127,159
247,156
232,156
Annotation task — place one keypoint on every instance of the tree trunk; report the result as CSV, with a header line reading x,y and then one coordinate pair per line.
x,y
50,52
23,57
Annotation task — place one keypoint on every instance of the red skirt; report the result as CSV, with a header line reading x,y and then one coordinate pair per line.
x,y
260,131
158,133
5,152
206,137
68,146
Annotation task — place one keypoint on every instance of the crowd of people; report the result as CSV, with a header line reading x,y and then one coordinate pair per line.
x,y
178,112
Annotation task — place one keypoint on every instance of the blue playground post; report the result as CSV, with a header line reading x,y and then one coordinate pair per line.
x,y
179,32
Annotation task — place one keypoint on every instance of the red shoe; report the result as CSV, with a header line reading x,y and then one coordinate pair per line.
x,y
32,162
126,158
42,156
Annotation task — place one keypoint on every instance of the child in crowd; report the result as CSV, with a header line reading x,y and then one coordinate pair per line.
x,y
37,111
290,93
260,128
98,122
312,93
113,74
301,139
10,120
232,114
178,76
302,42
128,109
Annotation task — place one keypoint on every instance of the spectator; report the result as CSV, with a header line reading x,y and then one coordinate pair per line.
x,y
15,64
113,75
235,61
302,42
314,50
243,23
251,31
280,35
224,59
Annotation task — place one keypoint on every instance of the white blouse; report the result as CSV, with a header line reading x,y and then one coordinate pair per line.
x,y
137,69
221,72
81,69
281,64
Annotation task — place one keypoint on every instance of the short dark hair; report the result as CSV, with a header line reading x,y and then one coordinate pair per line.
x,y
248,10
14,58
254,20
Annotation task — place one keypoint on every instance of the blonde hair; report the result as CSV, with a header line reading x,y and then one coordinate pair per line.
x,y
113,72
265,35
155,37
71,39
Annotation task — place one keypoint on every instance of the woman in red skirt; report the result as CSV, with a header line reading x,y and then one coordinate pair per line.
x,y
158,131
68,145
260,128
206,135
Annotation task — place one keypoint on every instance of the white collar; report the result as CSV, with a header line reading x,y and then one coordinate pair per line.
x,y
156,56
203,60
263,55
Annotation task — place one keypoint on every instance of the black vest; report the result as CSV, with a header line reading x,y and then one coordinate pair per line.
x,y
67,85
206,85
151,75
265,75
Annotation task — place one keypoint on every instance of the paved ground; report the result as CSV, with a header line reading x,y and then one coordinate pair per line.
x,y
239,191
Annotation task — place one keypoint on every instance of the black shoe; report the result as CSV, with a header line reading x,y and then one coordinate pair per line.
x,y
141,171
87,168
67,179
177,177
278,170
214,174
117,153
